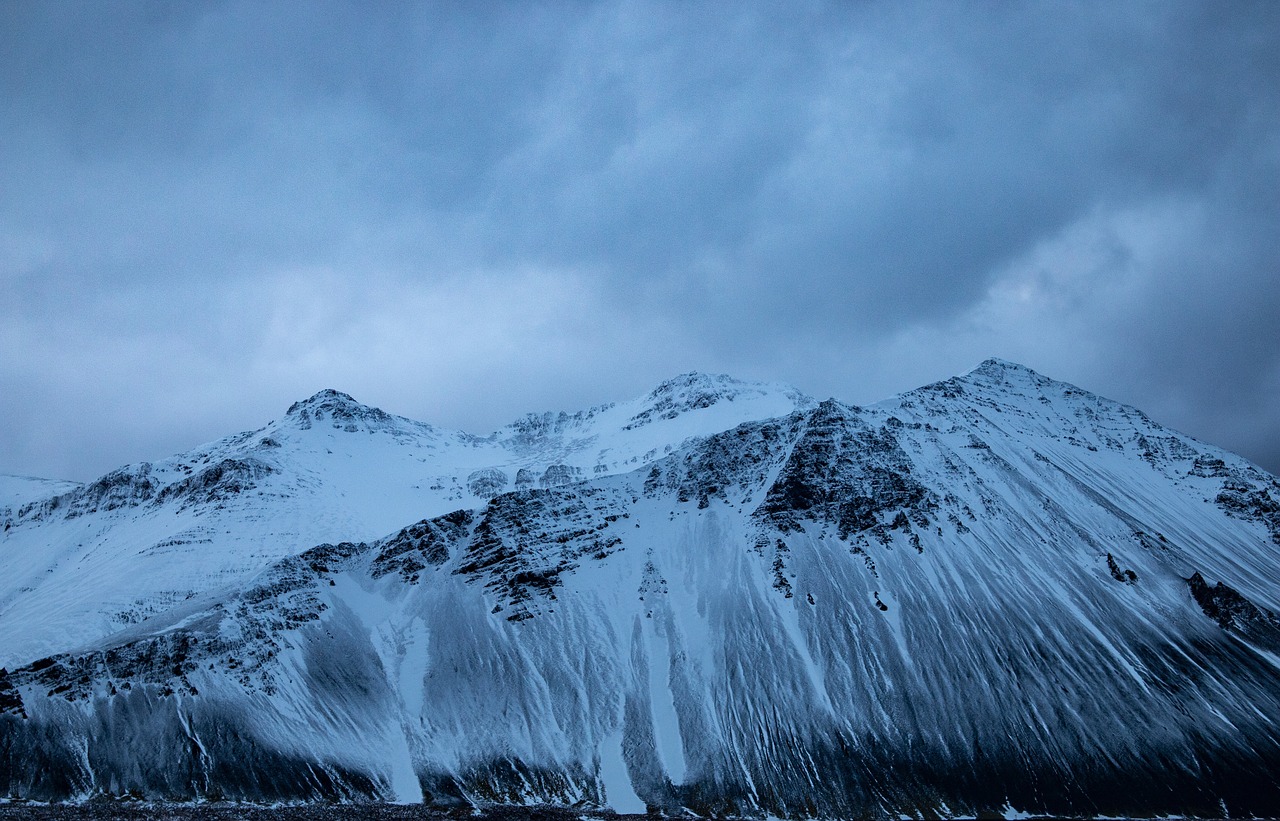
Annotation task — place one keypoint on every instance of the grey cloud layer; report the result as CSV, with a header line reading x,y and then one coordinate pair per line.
x,y
461,212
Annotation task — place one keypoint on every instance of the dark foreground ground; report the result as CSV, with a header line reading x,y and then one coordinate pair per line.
x,y
110,811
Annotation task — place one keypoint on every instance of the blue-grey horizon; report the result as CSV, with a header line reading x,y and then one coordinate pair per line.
x,y
462,212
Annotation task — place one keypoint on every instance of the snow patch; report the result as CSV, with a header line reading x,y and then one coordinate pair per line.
x,y
619,792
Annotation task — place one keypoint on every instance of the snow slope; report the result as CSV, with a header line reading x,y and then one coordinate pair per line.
x,y
996,591
16,491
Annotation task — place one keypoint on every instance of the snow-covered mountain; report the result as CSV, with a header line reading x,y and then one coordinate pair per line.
x,y
997,592
153,535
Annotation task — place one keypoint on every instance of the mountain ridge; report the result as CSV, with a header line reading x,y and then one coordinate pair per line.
x,y
331,469
998,591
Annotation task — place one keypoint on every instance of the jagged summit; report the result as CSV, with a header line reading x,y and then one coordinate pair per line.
x,y
696,379
333,404
995,362
343,412
324,398
609,437
696,391
995,371
994,380
722,385
996,367
1017,388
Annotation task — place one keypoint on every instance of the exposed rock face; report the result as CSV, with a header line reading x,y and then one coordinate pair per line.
x,y
487,482
987,594
557,475
697,391
847,473
420,546
1257,500
126,487
1236,613
343,413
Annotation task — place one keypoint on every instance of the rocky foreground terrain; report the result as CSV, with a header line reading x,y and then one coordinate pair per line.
x,y
138,811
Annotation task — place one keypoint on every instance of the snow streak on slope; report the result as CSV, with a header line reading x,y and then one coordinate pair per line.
x,y
997,591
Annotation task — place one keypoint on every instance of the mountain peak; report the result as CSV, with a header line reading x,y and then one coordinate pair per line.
x,y
1002,373
694,382
997,380
697,377
345,413
696,390
327,398
720,384
996,367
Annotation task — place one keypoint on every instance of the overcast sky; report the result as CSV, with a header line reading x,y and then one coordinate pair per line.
x,y
462,212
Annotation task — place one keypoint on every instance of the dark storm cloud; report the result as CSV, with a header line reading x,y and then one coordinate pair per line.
x,y
463,211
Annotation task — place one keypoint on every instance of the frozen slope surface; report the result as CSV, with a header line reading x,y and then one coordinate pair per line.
x,y
996,592
16,491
